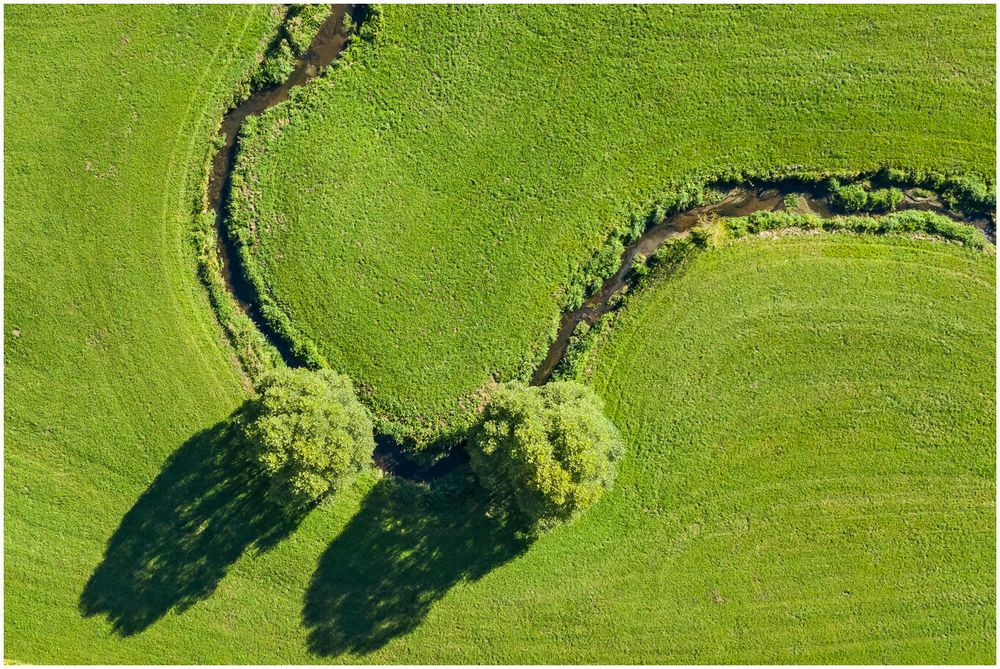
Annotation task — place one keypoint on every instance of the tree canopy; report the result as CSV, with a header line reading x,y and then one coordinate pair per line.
x,y
545,453
309,432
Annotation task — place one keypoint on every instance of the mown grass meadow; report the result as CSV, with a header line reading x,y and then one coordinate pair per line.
x,y
809,420
112,356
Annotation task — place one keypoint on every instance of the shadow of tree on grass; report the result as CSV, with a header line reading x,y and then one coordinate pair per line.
x,y
174,546
403,550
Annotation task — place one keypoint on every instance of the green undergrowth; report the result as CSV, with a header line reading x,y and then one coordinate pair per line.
x,y
420,216
254,352
300,25
900,222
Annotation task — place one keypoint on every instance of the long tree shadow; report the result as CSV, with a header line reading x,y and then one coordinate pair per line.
x,y
403,550
174,546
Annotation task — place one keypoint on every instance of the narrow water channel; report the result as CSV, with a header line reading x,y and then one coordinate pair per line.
x,y
739,200
329,42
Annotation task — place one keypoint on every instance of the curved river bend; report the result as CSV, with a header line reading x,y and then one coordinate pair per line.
x,y
329,42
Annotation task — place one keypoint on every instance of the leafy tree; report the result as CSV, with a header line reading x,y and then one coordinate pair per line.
x,y
545,453
309,432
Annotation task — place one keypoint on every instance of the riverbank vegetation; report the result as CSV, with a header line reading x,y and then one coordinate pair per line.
x,y
424,214
804,462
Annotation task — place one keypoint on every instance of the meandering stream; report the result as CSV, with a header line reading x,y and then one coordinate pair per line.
x,y
739,200
329,42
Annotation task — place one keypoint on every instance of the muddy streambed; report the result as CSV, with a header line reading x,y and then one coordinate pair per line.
x,y
329,42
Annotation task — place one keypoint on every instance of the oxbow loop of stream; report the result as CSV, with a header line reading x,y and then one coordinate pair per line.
x,y
739,200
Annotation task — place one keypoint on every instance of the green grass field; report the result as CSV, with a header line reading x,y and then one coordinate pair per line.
x,y
813,424
809,420
112,355
419,216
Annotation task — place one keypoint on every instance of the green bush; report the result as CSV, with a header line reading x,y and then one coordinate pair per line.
x,y
371,24
302,25
884,199
308,432
639,266
968,193
899,222
672,251
850,198
855,197
276,66
544,453
588,279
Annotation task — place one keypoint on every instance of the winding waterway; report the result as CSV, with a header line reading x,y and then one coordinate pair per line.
x,y
739,200
329,42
